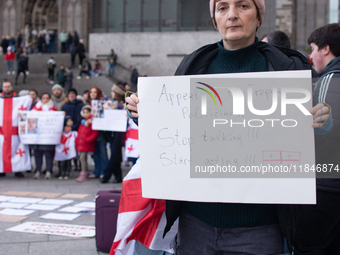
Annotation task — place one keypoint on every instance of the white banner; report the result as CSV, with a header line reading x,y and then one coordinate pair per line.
x,y
37,127
54,229
171,133
105,118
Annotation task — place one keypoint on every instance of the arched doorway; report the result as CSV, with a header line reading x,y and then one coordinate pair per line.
x,y
40,15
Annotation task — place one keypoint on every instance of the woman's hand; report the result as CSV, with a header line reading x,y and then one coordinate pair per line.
x,y
131,104
320,114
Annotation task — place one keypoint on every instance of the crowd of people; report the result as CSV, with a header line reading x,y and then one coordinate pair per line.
x,y
78,119
223,228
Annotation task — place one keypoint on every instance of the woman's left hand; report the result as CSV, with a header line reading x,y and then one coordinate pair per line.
x,y
320,114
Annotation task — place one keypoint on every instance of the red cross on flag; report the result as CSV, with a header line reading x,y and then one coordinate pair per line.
x,y
14,155
140,219
131,143
67,148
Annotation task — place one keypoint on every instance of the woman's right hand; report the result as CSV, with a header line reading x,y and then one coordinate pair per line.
x,y
131,104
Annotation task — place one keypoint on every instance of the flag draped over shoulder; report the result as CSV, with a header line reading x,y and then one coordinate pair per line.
x,y
140,219
14,155
67,148
131,143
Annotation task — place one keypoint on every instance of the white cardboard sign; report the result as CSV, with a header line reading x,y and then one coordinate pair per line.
x,y
166,143
54,229
41,127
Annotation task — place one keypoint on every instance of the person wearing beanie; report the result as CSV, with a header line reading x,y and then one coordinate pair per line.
x,y
85,141
58,97
233,228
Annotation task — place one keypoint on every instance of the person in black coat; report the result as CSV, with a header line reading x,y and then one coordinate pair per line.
x,y
72,108
4,44
21,69
81,52
133,78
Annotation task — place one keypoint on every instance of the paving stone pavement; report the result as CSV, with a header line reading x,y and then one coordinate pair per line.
x,y
17,243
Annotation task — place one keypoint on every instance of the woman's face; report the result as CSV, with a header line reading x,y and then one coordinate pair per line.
x,y
45,98
237,22
93,94
33,95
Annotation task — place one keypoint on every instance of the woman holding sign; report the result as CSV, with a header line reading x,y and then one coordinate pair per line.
x,y
45,104
226,228
100,153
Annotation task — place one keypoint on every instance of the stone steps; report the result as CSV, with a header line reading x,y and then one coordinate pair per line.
x,y
38,75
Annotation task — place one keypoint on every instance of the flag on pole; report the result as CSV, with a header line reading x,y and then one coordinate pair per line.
x,y
14,155
140,219
131,143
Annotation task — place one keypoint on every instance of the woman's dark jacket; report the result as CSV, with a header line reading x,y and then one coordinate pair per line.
x,y
279,59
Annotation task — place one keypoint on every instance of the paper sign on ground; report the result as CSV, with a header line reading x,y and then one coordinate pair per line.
x,y
26,200
54,229
71,209
60,216
12,205
86,204
16,212
16,193
42,207
167,124
56,201
5,198
41,127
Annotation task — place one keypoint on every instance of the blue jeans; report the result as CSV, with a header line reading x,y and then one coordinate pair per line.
x,y
196,237
100,157
51,47
93,73
10,65
111,69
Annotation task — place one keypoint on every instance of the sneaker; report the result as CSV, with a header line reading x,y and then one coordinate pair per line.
x,y
61,177
27,73
51,82
48,175
37,175
8,73
66,176
97,75
78,77
13,72
21,74
93,176
87,77
82,177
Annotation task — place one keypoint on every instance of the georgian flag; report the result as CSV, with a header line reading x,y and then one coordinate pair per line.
x,y
131,143
46,107
67,148
140,219
14,155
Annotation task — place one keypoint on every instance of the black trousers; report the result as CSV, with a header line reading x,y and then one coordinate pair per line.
x,y
318,230
113,166
18,72
51,74
49,155
65,166
63,48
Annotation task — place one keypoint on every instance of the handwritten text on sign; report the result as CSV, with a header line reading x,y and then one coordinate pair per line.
x,y
179,141
38,127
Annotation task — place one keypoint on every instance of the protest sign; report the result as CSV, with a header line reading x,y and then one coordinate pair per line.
x,y
225,138
106,118
38,127
54,229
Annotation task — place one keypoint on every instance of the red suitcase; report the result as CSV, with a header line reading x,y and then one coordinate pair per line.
x,y
107,203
